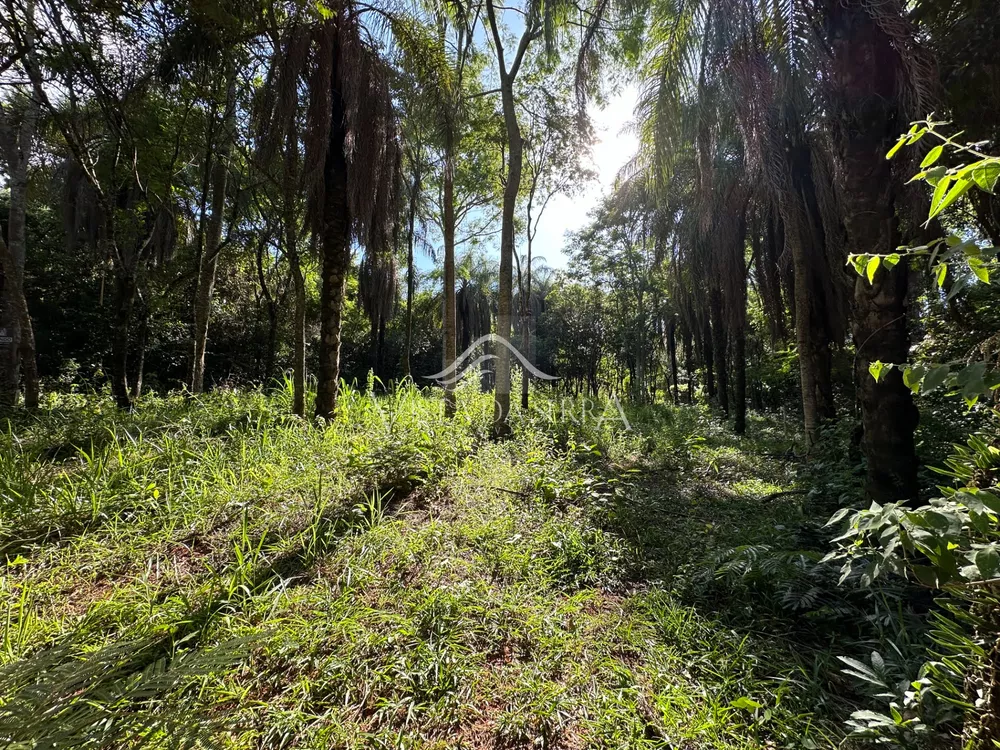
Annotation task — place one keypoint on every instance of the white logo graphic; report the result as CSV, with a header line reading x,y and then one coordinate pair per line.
x,y
461,367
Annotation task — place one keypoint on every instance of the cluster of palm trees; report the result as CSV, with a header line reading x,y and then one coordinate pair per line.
x,y
766,124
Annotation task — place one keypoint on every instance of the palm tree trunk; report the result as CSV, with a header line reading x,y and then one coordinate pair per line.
x,y
14,320
290,221
740,393
298,334
336,252
23,339
719,347
689,363
210,257
865,76
709,361
410,279
449,324
672,347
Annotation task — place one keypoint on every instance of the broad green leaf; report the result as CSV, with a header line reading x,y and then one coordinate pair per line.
x,y
876,368
913,377
988,561
986,175
942,274
935,378
891,260
979,268
932,156
871,267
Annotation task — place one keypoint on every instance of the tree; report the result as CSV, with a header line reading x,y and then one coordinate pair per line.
x,y
555,147
352,154
17,342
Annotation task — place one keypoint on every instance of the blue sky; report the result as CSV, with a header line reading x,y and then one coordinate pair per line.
x,y
615,146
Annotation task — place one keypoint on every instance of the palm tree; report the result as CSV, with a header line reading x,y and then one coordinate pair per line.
x,y
352,154
795,73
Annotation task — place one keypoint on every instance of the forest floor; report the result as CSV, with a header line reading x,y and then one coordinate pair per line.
x,y
216,568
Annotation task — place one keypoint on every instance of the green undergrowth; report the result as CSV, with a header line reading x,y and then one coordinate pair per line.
x,y
212,571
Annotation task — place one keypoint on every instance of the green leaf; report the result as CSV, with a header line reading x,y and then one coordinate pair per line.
x,y
960,188
988,561
979,268
747,704
895,149
986,174
942,274
876,368
872,267
932,156
913,377
935,378
940,191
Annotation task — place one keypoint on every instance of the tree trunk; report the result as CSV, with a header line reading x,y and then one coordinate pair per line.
x,y
290,220
506,287
410,222
17,340
689,362
210,256
865,75
720,341
125,291
336,252
740,392
140,348
448,326
672,347
501,402
806,241
24,341
709,361
298,336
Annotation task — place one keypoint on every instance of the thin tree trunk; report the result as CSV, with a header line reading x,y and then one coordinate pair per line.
x,y
298,334
449,324
140,354
410,222
689,362
125,291
336,263
865,76
290,221
672,347
210,257
501,404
